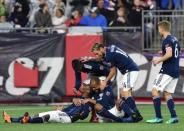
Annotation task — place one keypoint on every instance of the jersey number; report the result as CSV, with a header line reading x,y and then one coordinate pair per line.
x,y
176,51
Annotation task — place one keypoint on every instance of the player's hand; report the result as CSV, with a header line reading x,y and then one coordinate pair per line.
x,y
86,58
103,84
155,61
75,91
84,101
58,107
77,101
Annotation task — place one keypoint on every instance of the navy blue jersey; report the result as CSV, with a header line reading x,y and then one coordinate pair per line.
x,y
120,59
78,112
171,66
106,98
93,67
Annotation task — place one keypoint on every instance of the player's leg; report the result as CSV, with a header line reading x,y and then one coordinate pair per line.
x,y
159,85
105,113
41,117
170,102
124,108
8,119
56,116
129,80
118,111
94,118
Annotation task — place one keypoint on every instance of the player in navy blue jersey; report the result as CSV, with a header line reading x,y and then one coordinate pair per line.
x,y
167,78
116,58
104,103
91,67
70,114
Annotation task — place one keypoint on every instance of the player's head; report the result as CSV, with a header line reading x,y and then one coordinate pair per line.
x,y
85,88
98,50
164,26
95,83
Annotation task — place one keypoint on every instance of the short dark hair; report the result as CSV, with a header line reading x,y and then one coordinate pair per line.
x,y
97,46
95,79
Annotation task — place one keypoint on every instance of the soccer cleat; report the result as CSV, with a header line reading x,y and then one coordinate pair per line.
x,y
127,119
6,117
172,121
25,118
139,118
155,120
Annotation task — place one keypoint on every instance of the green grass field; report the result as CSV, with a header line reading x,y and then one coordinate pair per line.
x,y
146,110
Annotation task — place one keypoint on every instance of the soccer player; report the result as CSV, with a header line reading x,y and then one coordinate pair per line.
x,y
104,103
168,76
70,114
117,58
91,67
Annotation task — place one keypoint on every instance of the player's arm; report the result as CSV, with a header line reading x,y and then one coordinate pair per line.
x,y
87,58
165,57
77,101
112,73
92,101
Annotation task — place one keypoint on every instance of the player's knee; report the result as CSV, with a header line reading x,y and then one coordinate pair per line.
x,y
46,118
154,93
125,93
118,102
167,95
98,107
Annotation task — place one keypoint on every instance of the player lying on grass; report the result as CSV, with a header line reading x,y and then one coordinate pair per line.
x,y
104,104
72,113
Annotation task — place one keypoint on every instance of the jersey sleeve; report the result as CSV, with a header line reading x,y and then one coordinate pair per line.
x,y
168,45
111,60
78,80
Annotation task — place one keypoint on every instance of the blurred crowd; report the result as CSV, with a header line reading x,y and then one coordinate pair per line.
x,y
65,13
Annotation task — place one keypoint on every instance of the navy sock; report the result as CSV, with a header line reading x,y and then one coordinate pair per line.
x,y
131,103
125,108
105,113
36,120
157,106
16,120
171,106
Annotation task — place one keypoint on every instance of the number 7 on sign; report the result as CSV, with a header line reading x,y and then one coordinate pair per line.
x,y
54,65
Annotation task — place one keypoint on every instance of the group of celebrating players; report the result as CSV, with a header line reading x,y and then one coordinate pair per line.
x,y
97,90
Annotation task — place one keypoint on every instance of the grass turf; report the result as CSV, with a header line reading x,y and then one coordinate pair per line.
x,y
146,110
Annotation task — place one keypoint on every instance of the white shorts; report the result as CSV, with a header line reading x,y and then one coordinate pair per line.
x,y
129,80
114,111
57,116
165,82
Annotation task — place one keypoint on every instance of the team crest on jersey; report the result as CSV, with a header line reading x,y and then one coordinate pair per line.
x,y
108,93
101,95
